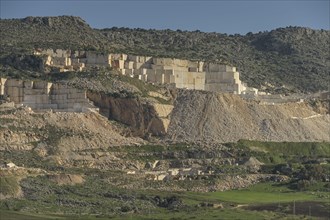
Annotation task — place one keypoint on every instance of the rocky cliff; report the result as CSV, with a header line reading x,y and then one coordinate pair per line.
x,y
215,117
143,117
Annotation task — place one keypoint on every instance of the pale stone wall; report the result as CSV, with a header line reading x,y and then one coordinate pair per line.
x,y
179,73
94,58
14,89
183,73
59,53
169,76
59,61
223,81
2,86
68,98
189,80
43,95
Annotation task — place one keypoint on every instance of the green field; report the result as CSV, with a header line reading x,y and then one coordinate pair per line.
x,y
232,202
263,193
198,214
287,148
11,215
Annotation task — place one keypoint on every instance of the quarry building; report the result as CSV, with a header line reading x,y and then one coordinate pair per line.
x,y
178,73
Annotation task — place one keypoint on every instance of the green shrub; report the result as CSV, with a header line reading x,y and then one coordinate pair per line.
x,y
9,185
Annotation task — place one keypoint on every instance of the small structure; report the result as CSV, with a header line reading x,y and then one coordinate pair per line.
x,y
11,165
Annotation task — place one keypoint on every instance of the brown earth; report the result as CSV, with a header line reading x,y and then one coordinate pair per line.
x,y
61,136
205,184
217,117
66,179
15,175
141,115
85,139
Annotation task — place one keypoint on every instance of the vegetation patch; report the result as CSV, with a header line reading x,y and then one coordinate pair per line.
x,y
9,185
289,148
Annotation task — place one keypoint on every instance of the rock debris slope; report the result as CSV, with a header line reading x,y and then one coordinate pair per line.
x,y
215,117
64,134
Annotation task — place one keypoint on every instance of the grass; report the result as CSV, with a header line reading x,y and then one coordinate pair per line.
x,y
142,86
82,198
282,152
6,120
250,196
27,159
256,194
12,215
102,195
288,148
8,185
200,214
185,214
206,214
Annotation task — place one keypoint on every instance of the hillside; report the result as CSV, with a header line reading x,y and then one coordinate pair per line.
x,y
61,137
49,32
283,60
211,117
79,166
294,57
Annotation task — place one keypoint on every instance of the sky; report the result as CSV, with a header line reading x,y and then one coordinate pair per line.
x,y
222,16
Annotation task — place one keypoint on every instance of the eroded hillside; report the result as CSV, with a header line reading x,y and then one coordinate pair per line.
x,y
215,117
61,137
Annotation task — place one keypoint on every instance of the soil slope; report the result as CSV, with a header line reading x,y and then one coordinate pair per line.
x,y
61,136
215,117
